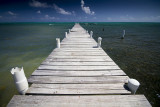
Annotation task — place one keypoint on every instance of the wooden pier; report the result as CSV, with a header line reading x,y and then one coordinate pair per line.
x,y
78,74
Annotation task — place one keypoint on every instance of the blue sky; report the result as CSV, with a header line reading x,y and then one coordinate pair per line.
x,y
79,10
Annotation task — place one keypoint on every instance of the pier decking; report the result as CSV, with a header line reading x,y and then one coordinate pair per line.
x,y
78,74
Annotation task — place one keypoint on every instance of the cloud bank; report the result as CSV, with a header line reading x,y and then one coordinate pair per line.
x,y
38,4
49,17
11,13
39,12
35,3
86,9
61,10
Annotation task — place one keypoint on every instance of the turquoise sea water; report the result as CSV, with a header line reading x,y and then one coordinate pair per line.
x,y
28,44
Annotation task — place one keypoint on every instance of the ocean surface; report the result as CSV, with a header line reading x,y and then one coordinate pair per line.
x,y
28,44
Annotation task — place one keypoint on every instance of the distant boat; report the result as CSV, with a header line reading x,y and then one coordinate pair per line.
x,y
50,24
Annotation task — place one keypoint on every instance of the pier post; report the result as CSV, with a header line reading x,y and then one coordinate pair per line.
x,y
91,34
99,42
58,42
123,34
66,34
20,80
133,85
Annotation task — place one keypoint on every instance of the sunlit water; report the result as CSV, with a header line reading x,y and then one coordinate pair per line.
x,y
28,44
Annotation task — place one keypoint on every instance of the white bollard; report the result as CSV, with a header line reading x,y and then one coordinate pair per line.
x,y
69,30
66,34
99,42
133,85
58,42
20,80
91,34
123,34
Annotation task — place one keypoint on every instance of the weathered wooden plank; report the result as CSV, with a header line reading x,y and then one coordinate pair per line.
x,y
79,63
78,54
78,36
68,43
71,38
80,39
88,89
118,86
89,68
78,73
79,80
84,51
78,43
78,60
79,57
80,49
80,101
75,34
78,46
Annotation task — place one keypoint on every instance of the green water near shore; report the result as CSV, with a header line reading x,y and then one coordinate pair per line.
x,y
28,44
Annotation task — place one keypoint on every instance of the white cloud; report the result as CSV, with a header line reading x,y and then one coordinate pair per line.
x,y
61,10
39,12
127,18
49,17
94,17
35,3
11,13
150,19
86,9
